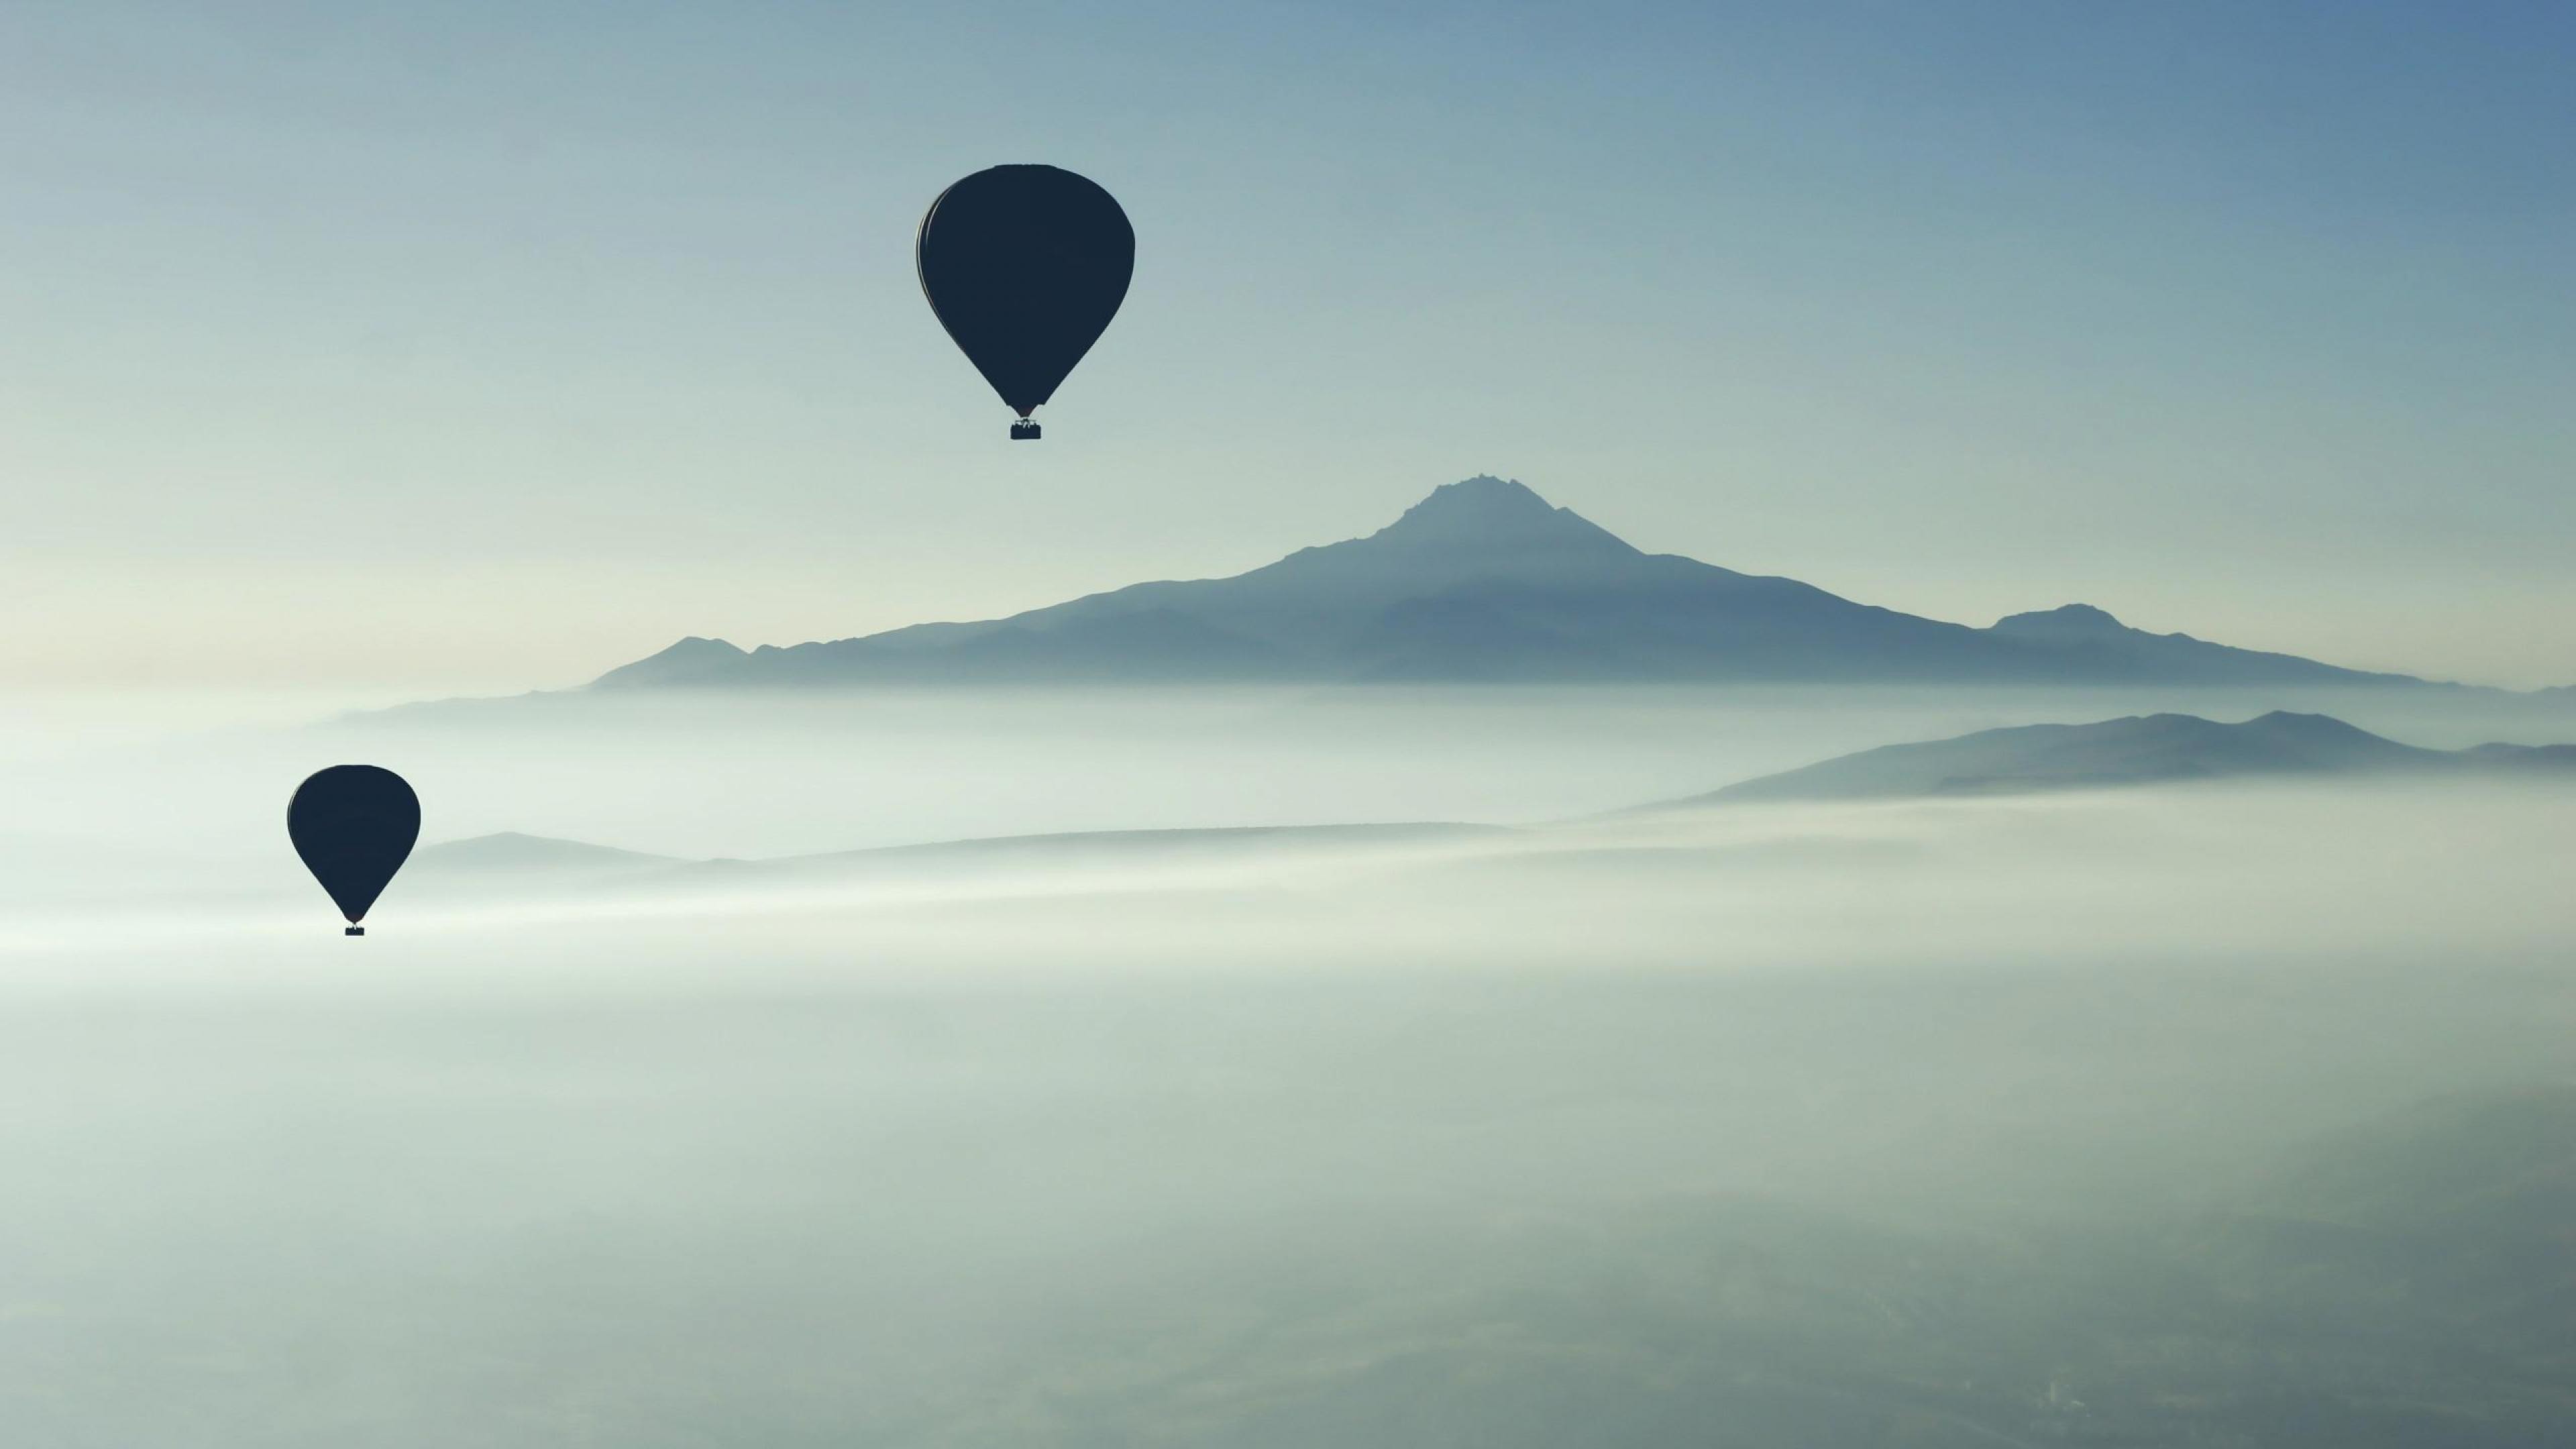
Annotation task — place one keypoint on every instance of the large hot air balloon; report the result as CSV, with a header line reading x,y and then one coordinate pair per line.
x,y
354,825
1024,266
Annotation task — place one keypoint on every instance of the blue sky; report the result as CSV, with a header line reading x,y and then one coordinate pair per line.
x,y
489,345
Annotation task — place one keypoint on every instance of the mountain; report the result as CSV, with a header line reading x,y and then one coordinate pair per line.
x,y
2138,750
1483,581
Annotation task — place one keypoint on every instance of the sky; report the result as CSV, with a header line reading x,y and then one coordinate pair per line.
x,y
487,346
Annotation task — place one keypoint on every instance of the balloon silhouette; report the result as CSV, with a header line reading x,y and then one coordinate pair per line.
x,y
1025,265
354,825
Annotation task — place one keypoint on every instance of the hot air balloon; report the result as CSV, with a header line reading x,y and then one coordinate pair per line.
x,y
1025,265
354,825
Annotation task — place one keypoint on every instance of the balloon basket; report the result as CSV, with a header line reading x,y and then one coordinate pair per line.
x,y
355,931
1023,430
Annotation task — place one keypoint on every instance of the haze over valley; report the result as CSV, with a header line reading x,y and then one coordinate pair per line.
x,y
2094,1108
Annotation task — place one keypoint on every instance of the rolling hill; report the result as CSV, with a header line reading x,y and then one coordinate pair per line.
x,y
536,862
2138,750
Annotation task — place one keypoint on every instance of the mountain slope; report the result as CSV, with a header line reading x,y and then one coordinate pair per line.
x,y
1482,581
2139,750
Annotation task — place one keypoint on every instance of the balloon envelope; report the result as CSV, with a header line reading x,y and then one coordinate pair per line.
x,y
1025,265
354,825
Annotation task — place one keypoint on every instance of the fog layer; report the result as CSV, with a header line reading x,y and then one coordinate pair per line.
x,y
2097,1117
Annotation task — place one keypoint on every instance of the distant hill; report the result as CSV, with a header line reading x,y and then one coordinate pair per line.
x,y
513,852
535,862
1485,581
1136,845
2138,750
512,864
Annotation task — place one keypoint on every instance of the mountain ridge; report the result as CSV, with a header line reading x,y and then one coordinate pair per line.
x,y
1484,580
2134,750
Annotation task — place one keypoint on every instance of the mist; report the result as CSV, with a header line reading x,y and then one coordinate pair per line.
x,y
792,772
1913,1119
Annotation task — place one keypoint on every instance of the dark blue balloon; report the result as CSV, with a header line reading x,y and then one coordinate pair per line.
x,y
1025,265
354,825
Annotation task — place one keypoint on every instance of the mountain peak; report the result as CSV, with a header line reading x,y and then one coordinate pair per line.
x,y
680,662
1490,512
1485,490
2066,621
2290,723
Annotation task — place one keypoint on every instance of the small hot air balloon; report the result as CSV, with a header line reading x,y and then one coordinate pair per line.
x,y
354,825
1024,266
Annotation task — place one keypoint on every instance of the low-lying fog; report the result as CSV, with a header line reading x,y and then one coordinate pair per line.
x,y
791,773
2199,1114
